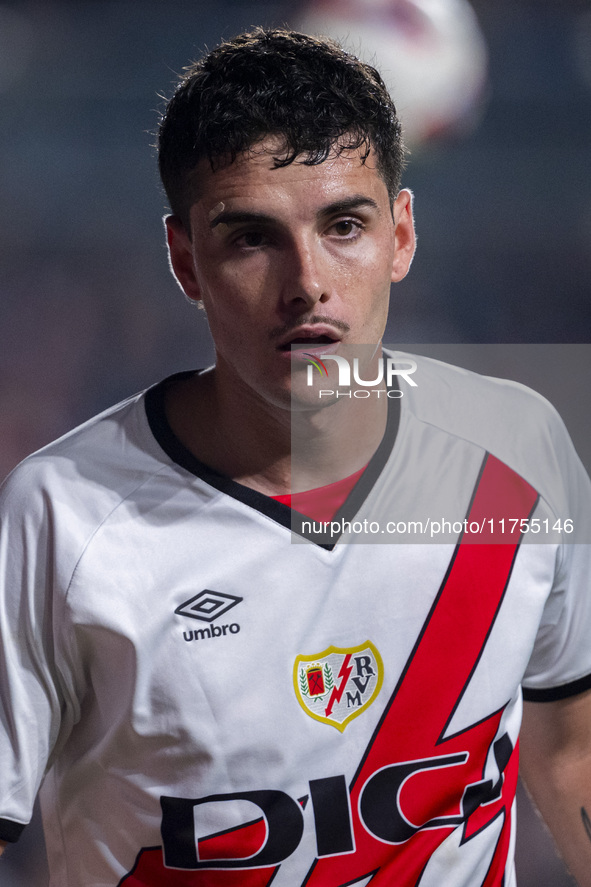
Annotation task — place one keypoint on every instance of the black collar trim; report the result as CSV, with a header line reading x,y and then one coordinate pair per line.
x,y
282,514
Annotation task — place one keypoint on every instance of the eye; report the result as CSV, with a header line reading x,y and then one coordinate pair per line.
x,y
347,229
251,239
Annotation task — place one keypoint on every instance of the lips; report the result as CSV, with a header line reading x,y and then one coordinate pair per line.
x,y
307,338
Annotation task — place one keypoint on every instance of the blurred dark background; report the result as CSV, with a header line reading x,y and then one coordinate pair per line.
x,y
88,310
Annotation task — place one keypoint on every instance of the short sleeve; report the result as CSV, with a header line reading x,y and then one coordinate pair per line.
x,y
30,703
560,665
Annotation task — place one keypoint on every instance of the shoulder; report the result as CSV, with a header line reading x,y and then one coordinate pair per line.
x,y
505,418
474,405
87,471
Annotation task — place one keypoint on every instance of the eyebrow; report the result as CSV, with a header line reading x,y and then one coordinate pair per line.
x,y
236,217
356,201
227,217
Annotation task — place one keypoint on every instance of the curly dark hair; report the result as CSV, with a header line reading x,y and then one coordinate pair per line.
x,y
308,91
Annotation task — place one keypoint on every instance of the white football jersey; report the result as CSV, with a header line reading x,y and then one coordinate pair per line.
x,y
208,697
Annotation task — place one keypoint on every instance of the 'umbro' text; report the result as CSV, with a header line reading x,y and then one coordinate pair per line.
x,y
215,631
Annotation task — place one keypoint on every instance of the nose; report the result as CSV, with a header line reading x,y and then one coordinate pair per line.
x,y
307,277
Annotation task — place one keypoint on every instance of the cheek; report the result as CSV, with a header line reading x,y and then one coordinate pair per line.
x,y
233,314
370,283
242,284
371,264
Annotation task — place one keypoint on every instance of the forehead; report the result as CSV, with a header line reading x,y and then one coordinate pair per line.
x,y
254,177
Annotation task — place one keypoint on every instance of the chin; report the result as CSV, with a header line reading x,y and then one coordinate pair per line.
x,y
303,398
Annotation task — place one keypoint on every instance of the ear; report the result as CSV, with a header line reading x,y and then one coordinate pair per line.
x,y
180,254
404,235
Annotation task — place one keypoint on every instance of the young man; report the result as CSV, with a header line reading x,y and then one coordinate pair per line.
x,y
208,703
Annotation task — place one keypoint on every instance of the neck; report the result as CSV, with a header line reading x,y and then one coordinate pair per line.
x,y
271,448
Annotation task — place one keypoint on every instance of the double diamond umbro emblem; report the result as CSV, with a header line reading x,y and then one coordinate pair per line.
x,y
207,606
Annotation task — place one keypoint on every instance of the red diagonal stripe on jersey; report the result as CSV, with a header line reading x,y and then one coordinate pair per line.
x,y
339,689
421,707
414,724
244,842
150,871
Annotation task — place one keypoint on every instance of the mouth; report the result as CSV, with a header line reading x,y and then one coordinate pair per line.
x,y
313,339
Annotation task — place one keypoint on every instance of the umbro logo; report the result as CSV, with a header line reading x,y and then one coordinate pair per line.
x,y
208,606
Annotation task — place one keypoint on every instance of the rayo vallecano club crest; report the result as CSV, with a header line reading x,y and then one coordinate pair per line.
x,y
338,684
